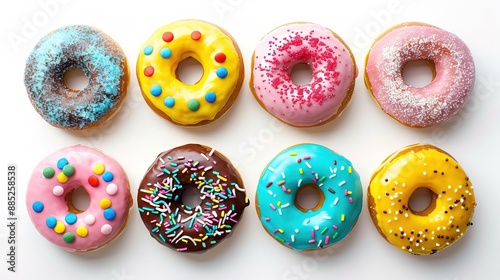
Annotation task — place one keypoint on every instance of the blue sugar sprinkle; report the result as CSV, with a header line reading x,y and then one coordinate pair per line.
x,y
108,176
70,218
221,72
61,163
148,50
156,90
38,206
109,214
166,53
88,49
210,97
51,222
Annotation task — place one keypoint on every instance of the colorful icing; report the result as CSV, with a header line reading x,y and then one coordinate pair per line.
x,y
222,76
101,60
54,215
449,214
191,228
331,63
453,68
305,165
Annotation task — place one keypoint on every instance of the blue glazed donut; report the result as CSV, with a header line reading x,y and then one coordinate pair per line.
x,y
101,60
309,166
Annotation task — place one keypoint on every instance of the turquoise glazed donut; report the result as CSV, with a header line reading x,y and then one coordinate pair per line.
x,y
309,166
101,60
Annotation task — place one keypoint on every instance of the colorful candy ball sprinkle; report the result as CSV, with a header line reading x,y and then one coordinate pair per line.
x,y
70,218
38,206
148,50
109,214
93,181
51,222
193,105
69,237
169,101
210,97
108,176
220,57
48,172
98,168
221,72
68,170
166,53
168,37
61,163
155,90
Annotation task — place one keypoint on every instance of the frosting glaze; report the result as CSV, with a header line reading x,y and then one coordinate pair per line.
x,y
101,60
304,165
333,74
449,214
50,191
213,94
435,103
191,228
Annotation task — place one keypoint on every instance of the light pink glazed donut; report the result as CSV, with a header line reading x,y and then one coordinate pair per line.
x,y
50,191
449,58
333,70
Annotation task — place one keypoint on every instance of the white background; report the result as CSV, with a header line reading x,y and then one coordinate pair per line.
x,y
250,137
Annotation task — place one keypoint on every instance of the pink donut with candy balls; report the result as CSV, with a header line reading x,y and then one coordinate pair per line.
x,y
50,191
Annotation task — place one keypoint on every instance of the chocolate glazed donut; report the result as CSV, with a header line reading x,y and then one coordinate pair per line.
x,y
172,176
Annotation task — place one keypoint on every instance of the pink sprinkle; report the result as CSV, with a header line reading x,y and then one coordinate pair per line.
x,y
345,192
268,219
276,230
153,221
182,249
350,199
307,157
335,227
272,206
312,241
312,234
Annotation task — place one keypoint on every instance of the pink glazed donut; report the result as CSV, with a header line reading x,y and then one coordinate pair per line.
x,y
449,58
50,192
331,63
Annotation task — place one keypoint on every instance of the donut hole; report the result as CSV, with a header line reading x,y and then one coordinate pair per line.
x,y
78,200
75,79
309,198
191,197
422,201
189,71
419,73
301,74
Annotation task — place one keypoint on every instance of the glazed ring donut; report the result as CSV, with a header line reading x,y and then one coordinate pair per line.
x,y
309,166
449,58
101,60
209,98
331,63
50,192
183,226
443,222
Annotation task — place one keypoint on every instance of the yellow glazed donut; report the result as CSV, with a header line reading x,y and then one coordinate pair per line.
x,y
447,217
213,94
